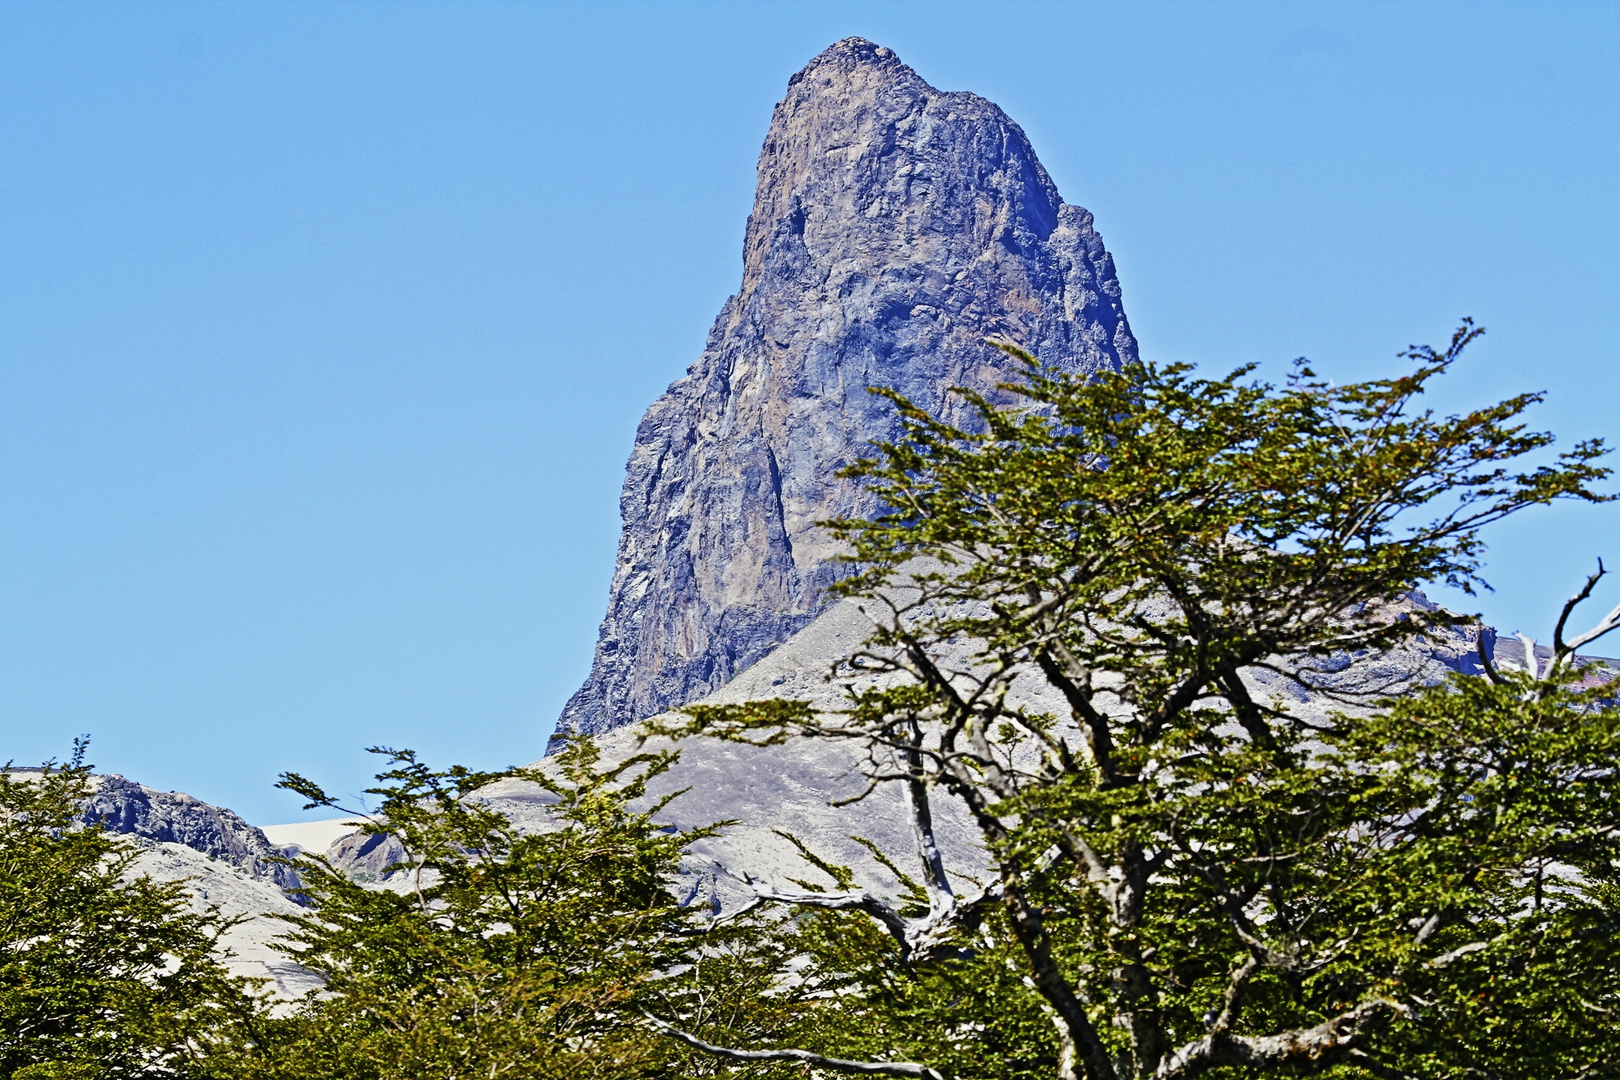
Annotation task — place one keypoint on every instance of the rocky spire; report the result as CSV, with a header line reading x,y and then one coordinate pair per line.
x,y
894,228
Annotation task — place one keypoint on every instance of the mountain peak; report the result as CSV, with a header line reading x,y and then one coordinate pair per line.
x,y
894,228
842,58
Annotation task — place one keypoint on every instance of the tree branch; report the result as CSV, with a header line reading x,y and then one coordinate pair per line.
x,y
941,899
1485,660
1532,664
1096,724
1233,996
1329,1041
1606,624
1377,1068
927,938
870,1068
1569,608
849,901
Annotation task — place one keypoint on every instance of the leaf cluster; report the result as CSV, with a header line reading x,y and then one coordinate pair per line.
x,y
494,950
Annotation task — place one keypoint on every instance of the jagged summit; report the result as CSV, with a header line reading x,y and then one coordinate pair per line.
x,y
894,228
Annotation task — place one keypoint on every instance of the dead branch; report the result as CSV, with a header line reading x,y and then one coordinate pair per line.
x,y
869,1068
1331,1039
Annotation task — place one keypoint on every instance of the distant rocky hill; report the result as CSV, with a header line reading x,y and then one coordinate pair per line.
x,y
224,863
894,228
123,806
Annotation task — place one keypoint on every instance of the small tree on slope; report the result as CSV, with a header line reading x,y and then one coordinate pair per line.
x,y
1198,880
524,954
103,973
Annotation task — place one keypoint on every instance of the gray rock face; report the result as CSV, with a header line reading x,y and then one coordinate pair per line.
x,y
366,856
169,817
894,228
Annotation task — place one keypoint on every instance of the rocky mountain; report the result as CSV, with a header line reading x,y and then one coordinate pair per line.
x,y
224,863
366,857
894,227
171,817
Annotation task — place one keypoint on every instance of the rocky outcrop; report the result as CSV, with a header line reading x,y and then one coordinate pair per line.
x,y
170,817
894,228
366,857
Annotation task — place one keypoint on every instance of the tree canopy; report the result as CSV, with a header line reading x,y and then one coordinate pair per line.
x,y
1202,878
496,951
1105,620
104,973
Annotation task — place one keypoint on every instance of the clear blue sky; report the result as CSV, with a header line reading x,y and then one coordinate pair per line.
x,y
325,328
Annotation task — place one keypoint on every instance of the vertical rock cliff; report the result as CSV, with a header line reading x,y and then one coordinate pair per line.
x,y
894,228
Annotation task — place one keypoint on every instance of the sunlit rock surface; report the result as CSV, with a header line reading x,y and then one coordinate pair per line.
x,y
894,228
249,945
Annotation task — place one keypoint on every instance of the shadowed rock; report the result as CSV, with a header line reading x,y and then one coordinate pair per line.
x,y
894,228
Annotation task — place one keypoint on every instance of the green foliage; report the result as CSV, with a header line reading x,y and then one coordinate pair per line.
x,y
1198,879
1183,874
103,974
493,951
1497,805
969,1015
1172,529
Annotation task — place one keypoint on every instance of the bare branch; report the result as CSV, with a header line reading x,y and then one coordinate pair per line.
x,y
941,899
1072,684
1068,1054
871,786
1569,609
1485,656
869,1068
1532,666
1332,1039
1234,994
929,938
849,901
1377,1068
1446,959
1609,622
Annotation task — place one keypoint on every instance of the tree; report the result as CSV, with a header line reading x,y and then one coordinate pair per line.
x,y
495,951
103,973
1199,878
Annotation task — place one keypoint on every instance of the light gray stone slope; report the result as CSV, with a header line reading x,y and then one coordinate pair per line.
x,y
248,945
223,862
794,787
894,228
